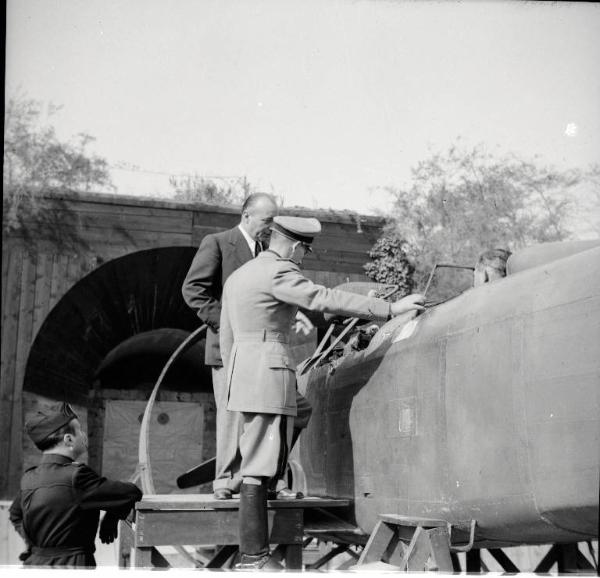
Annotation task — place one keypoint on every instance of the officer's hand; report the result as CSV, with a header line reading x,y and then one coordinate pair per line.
x,y
303,323
408,303
24,555
108,529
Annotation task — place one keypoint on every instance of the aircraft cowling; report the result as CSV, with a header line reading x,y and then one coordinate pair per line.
x,y
486,407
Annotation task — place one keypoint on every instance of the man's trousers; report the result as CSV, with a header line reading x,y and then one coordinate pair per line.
x,y
229,432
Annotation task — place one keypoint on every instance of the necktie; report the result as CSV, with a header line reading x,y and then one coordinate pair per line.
x,y
257,248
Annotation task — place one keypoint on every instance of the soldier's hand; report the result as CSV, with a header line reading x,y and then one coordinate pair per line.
x,y
108,529
408,303
24,555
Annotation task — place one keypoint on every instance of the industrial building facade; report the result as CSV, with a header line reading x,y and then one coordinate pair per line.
x,y
92,309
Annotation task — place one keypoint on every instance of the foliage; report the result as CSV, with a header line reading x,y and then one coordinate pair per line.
x,y
463,202
197,189
36,161
390,264
590,203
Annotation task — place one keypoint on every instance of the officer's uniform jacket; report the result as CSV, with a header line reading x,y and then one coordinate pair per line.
x,y
58,509
218,256
260,301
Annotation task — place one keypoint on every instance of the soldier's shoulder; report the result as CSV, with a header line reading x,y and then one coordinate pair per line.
x,y
284,265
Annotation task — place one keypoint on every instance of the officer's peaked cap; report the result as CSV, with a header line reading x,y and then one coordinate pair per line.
x,y
301,229
45,423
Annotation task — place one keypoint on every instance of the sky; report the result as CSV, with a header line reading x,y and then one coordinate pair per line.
x,y
324,103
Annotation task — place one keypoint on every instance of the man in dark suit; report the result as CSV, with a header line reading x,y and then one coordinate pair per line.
x,y
58,507
218,256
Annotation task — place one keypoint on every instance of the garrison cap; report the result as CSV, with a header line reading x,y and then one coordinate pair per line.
x,y
301,229
44,424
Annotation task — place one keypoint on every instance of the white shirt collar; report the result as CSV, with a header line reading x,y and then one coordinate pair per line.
x,y
251,242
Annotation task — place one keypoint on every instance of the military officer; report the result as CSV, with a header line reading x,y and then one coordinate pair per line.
x,y
58,507
219,255
260,300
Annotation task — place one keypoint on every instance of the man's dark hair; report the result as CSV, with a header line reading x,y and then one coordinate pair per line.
x,y
56,437
254,198
495,258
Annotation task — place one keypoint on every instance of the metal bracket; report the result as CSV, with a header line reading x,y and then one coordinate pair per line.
x,y
464,547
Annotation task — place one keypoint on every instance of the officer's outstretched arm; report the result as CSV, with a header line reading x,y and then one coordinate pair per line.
x,y
291,287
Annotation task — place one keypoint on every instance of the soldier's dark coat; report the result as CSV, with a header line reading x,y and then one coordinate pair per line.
x,y
58,508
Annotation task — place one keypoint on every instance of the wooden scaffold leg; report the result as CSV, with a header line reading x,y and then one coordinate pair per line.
x,y
410,544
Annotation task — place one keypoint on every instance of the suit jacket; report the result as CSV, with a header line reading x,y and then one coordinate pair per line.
x,y
218,256
260,301
58,508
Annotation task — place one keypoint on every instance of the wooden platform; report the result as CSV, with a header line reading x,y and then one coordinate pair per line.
x,y
195,519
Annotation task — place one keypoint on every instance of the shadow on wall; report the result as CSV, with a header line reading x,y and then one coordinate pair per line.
x,y
87,334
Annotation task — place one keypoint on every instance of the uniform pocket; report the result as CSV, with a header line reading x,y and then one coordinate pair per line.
x,y
278,361
281,367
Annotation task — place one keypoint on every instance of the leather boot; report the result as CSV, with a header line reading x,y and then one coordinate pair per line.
x,y
254,529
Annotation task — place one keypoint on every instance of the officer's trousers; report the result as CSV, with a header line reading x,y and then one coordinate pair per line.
x,y
229,431
264,444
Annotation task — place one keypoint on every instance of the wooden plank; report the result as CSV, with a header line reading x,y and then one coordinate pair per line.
x,y
142,557
10,322
378,542
42,290
215,219
418,551
7,248
126,540
164,502
136,222
74,271
440,549
119,215
9,401
25,327
413,521
171,527
328,557
59,285
142,239
158,560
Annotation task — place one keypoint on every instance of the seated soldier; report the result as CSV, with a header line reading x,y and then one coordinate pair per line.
x,y
490,266
58,507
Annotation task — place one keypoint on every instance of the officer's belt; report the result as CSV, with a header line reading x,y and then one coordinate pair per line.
x,y
263,335
58,551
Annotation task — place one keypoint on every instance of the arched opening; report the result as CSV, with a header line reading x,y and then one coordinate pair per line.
x,y
102,347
